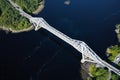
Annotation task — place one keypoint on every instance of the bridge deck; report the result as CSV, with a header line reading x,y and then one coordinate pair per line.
x,y
78,45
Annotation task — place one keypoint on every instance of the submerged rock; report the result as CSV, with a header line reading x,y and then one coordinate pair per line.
x,y
67,2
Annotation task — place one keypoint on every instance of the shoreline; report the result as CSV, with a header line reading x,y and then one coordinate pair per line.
x,y
117,31
7,30
85,74
38,10
85,67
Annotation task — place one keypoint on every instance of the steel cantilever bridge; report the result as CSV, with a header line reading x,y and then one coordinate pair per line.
x,y
87,53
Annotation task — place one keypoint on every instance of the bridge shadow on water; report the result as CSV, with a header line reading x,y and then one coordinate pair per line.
x,y
37,56
65,51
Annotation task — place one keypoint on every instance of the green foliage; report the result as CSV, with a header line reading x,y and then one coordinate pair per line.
x,y
10,18
113,51
27,5
101,74
115,77
118,27
98,73
89,78
117,30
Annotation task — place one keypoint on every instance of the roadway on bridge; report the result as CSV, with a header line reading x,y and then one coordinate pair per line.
x,y
81,46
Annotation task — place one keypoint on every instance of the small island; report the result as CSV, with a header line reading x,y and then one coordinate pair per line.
x,y
97,73
67,2
117,30
103,74
11,20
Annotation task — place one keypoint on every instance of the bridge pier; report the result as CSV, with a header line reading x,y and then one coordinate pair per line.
x,y
86,59
36,23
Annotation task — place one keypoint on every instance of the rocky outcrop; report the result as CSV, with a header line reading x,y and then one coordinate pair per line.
x,y
117,30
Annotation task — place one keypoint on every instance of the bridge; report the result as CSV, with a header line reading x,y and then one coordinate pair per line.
x,y
87,53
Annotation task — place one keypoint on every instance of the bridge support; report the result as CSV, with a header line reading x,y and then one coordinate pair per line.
x,y
86,59
36,22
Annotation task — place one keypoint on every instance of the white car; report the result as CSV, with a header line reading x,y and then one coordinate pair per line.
x,y
117,58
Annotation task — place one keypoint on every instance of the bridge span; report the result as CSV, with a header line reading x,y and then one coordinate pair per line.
x,y
87,53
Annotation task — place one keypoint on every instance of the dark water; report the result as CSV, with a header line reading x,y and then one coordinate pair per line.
x,y
42,56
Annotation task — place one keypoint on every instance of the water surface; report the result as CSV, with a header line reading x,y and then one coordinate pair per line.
x,y
42,56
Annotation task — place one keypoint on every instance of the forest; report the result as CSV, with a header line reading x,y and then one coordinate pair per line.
x,y
101,73
28,5
10,18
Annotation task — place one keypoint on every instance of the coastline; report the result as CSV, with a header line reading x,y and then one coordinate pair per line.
x,y
7,30
85,70
86,75
38,10
117,30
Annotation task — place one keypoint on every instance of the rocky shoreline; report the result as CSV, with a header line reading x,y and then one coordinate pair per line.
x,y
117,30
40,8
85,70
